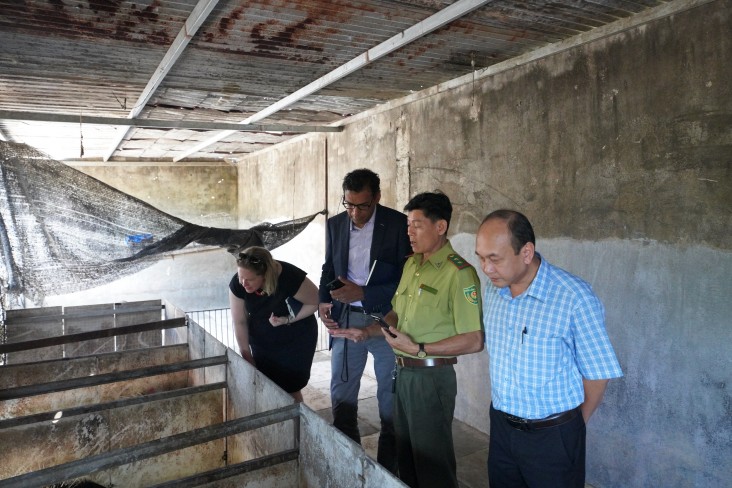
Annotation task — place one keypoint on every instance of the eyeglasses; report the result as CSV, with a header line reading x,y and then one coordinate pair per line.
x,y
359,206
250,258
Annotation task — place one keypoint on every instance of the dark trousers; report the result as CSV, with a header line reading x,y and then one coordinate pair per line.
x,y
348,360
553,457
424,405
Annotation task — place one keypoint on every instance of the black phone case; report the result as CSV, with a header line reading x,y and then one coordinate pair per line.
x,y
335,284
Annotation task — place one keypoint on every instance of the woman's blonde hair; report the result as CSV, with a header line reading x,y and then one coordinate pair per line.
x,y
260,261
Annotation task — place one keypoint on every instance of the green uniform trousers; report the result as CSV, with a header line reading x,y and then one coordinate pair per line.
x,y
424,404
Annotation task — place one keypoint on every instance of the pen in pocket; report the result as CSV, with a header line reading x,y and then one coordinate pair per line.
x,y
426,288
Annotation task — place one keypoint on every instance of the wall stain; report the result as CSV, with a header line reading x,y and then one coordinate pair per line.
x,y
90,431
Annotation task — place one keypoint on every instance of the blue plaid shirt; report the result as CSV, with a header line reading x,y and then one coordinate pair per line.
x,y
543,342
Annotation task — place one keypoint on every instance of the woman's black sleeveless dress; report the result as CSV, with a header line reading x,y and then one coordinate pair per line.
x,y
285,353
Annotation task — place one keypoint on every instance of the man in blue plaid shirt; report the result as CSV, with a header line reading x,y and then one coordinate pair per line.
x,y
550,359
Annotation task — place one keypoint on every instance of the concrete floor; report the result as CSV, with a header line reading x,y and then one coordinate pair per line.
x,y
471,445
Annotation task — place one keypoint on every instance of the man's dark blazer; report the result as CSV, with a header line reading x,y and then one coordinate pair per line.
x,y
390,247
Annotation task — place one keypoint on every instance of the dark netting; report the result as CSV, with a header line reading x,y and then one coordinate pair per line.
x,y
63,231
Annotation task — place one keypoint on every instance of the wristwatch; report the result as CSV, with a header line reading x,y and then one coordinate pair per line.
x,y
422,353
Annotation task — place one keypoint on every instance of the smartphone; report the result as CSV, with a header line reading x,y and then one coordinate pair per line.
x,y
335,284
382,323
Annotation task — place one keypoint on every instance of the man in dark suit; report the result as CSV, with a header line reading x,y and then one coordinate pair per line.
x,y
365,250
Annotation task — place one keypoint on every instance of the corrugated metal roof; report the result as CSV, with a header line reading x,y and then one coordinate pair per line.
x,y
95,58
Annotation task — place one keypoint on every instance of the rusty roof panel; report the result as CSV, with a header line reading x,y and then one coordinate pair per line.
x,y
145,22
95,57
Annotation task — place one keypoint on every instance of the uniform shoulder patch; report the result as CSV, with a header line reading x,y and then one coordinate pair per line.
x,y
458,261
471,294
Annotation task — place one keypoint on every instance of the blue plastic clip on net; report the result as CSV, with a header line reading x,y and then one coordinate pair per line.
x,y
135,240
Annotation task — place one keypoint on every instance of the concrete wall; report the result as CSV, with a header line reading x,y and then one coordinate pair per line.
x,y
283,184
201,193
249,392
618,148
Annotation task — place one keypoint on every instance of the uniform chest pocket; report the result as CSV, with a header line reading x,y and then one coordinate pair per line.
x,y
428,296
422,297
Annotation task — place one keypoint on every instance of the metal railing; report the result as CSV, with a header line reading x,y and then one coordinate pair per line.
x,y
217,322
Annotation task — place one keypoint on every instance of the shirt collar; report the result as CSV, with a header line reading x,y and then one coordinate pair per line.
x,y
369,223
539,286
438,258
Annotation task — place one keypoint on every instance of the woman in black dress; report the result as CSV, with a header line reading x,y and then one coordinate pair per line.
x,y
278,344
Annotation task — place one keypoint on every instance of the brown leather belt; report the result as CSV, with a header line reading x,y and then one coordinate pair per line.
x,y
424,363
530,424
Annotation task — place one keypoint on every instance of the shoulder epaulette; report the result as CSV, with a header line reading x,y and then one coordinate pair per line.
x,y
458,261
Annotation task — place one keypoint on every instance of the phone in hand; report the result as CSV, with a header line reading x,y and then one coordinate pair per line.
x,y
335,284
382,323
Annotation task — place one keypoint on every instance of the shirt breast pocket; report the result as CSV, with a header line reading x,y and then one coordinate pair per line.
x,y
401,298
428,299
540,359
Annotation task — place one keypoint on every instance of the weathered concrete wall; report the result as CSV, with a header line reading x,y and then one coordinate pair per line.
x,y
668,314
201,193
285,183
619,149
282,183
626,137
249,393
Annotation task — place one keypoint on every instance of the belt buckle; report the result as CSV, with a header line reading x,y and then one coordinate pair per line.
x,y
519,423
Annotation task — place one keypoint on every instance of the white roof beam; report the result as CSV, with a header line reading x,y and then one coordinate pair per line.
x,y
420,29
194,21
160,124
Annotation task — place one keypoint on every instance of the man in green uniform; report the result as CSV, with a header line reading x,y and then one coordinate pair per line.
x,y
436,316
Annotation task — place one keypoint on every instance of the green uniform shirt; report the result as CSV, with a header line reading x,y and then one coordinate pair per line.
x,y
439,298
